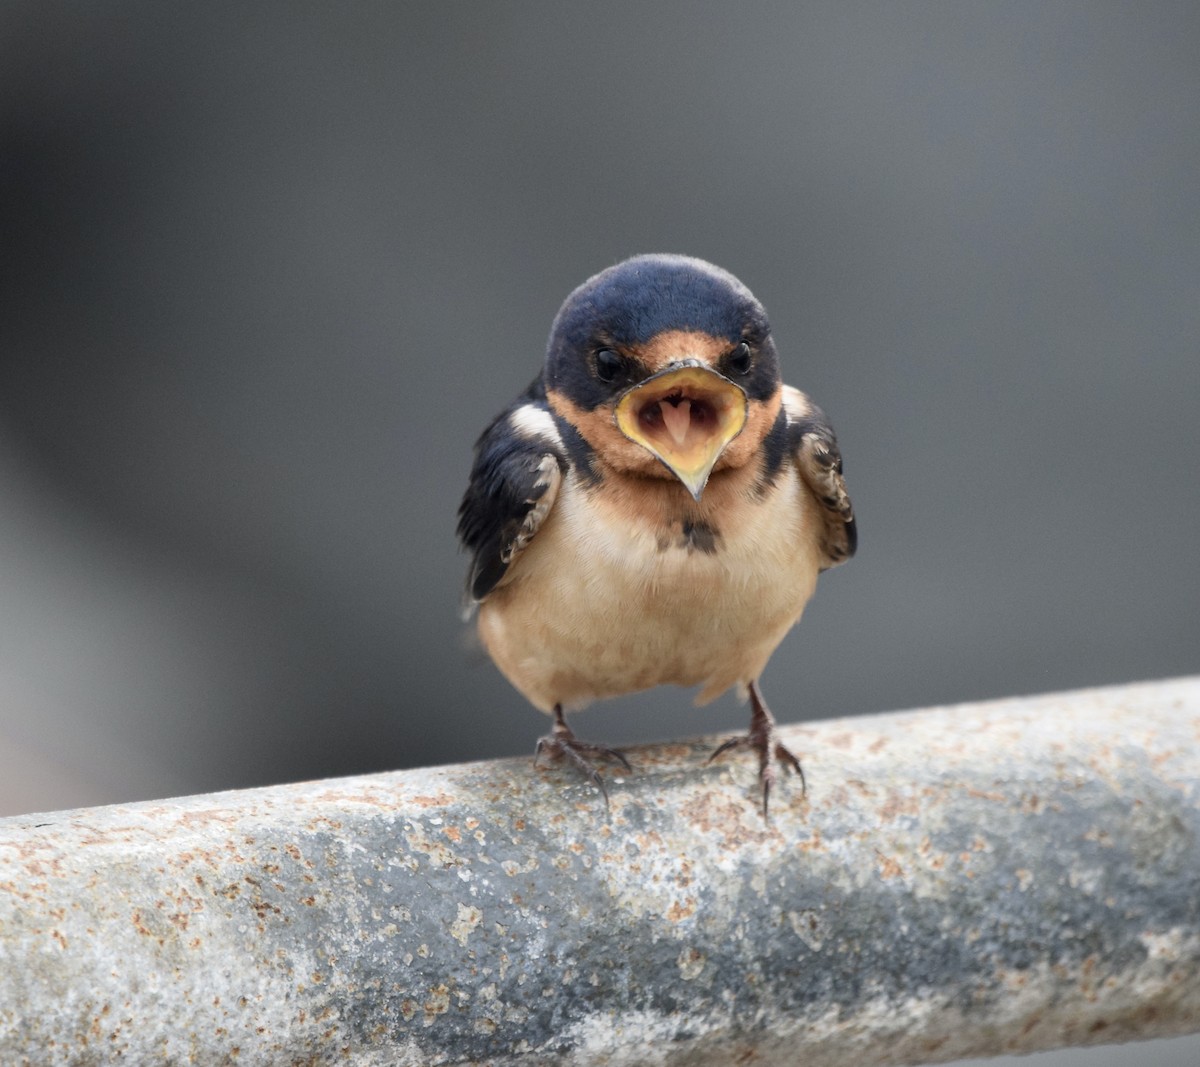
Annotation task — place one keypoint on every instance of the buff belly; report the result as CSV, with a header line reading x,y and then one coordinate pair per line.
x,y
606,602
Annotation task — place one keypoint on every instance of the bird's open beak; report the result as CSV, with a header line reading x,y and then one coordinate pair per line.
x,y
685,415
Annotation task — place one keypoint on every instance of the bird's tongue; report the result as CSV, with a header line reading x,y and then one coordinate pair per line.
x,y
677,417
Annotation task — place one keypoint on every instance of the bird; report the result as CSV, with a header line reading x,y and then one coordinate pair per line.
x,y
654,509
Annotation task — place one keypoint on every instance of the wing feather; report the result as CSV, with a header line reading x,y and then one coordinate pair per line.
x,y
518,469
819,462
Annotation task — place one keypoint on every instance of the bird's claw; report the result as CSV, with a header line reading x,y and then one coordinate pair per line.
x,y
563,744
763,738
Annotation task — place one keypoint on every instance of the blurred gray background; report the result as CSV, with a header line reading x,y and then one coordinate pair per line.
x,y
268,270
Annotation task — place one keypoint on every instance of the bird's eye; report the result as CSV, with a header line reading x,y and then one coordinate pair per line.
x,y
608,364
739,359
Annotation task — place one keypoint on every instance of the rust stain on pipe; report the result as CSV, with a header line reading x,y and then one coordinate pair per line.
x,y
972,880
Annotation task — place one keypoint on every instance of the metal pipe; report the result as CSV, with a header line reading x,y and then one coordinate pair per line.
x,y
1000,877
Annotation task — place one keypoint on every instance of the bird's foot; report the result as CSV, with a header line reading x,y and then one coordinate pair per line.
x,y
563,744
763,738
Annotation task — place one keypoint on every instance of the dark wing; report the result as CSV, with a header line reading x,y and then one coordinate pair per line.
x,y
519,465
820,465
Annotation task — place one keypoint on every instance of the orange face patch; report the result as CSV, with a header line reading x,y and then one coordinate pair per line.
x,y
760,418
611,447
672,346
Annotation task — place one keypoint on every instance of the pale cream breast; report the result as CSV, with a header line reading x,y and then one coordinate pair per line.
x,y
625,588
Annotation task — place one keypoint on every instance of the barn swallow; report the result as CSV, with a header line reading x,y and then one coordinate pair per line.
x,y
655,508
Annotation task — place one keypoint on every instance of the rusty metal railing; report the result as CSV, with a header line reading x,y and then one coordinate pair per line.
x,y
960,881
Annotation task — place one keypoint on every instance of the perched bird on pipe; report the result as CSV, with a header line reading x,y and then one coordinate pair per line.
x,y
655,508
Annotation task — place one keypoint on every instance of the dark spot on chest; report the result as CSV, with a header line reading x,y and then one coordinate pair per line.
x,y
699,536
691,535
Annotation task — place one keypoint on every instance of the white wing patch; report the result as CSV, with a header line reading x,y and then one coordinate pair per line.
x,y
536,424
796,404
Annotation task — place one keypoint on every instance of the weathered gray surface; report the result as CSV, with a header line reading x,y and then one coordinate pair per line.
x,y
997,877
